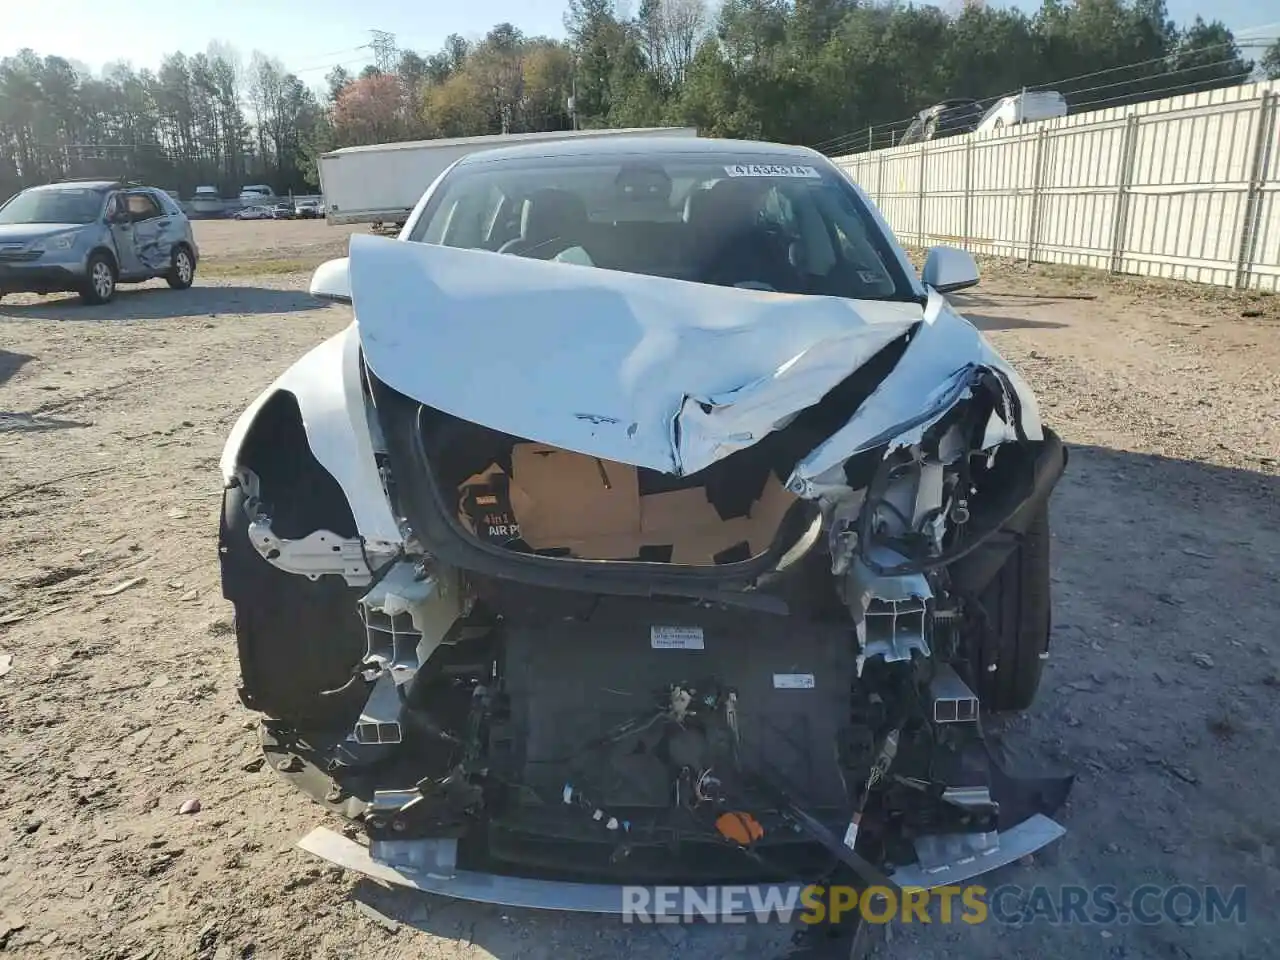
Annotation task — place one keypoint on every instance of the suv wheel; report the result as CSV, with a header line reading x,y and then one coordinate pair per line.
x,y
183,270
100,286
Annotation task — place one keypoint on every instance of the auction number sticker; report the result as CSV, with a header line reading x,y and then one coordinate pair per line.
x,y
772,170
676,638
793,681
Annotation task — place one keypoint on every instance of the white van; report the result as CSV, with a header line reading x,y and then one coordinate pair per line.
x,y
1023,108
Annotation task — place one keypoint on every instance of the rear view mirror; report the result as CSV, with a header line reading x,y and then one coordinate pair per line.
x,y
332,281
947,269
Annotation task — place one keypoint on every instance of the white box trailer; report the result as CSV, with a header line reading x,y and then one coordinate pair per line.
x,y
381,183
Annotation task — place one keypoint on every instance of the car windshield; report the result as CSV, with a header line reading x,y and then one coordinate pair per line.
x,y
53,206
994,109
727,220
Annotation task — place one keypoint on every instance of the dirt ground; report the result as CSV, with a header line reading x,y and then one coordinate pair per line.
x,y
118,704
255,246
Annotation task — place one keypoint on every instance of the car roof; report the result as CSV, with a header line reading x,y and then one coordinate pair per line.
x,y
652,147
81,185
944,105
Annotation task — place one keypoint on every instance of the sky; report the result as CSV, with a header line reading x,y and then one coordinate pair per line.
x,y
311,36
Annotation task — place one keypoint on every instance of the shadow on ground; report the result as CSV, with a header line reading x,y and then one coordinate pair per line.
x,y
161,303
35,423
984,321
11,363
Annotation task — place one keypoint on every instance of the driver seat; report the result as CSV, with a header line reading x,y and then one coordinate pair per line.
x,y
551,222
735,247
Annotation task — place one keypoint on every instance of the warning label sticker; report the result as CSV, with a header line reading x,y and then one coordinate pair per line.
x,y
772,170
676,638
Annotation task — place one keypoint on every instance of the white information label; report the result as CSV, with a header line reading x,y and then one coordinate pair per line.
x,y
676,638
793,681
772,170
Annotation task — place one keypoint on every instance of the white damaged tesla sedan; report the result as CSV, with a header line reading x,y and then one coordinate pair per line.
x,y
653,523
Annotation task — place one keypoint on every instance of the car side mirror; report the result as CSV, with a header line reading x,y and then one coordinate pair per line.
x,y
948,269
332,281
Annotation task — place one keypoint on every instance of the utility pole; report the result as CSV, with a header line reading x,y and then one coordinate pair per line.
x,y
384,50
573,96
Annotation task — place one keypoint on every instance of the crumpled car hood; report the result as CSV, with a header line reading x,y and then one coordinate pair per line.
x,y
653,372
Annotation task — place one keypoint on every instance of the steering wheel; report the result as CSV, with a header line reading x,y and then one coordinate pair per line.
x,y
546,249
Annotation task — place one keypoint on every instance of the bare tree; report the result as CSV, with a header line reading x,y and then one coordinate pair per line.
x,y
670,33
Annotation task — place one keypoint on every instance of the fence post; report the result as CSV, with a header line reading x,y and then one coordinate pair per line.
x,y
1258,167
968,193
1119,221
1037,189
920,201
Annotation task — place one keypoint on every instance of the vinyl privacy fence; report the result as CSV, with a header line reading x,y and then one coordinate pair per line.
x,y
1184,187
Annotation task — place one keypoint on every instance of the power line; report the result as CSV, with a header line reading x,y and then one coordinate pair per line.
x,y
327,62
329,66
870,134
1059,84
1166,90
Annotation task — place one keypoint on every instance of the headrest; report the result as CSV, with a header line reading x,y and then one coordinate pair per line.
x,y
552,213
729,204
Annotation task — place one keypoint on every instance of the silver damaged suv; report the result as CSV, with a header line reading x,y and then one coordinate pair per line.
x,y
89,235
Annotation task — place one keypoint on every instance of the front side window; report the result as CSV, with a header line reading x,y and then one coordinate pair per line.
x,y
791,228
914,133
168,206
61,205
142,206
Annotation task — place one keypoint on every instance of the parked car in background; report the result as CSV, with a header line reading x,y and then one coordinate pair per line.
x,y
207,202
945,119
309,209
284,210
257,193
257,212
89,235
1026,107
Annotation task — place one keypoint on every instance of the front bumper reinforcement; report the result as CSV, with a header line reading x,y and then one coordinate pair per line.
x,y
434,872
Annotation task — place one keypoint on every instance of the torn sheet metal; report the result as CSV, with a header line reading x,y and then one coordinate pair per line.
x,y
649,371
934,374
